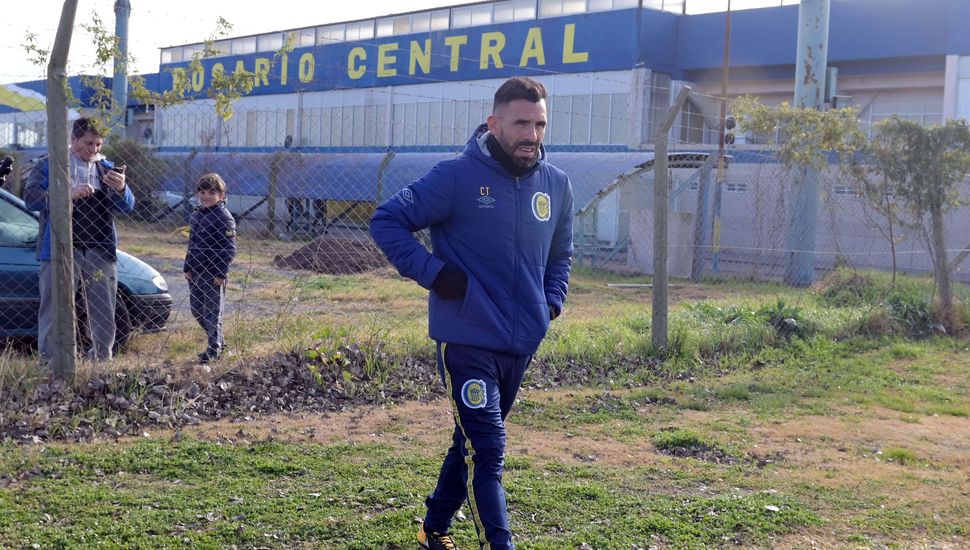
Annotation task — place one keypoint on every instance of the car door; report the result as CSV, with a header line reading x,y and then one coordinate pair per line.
x,y
19,269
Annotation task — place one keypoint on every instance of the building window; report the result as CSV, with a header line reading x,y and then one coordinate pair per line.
x,y
171,55
514,10
189,52
604,5
302,38
601,118
846,190
385,26
244,45
222,47
579,120
363,30
439,20
555,8
330,35
504,12
560,108
420,22
269,43
471,16
619,118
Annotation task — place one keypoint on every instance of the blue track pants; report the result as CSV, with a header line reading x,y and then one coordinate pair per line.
x,y
482,385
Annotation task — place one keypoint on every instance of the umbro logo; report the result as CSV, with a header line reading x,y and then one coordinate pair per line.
x,y
405,197
485,199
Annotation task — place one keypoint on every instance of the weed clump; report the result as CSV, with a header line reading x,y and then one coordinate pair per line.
x,y
687,444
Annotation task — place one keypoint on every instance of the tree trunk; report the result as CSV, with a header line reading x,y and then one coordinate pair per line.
x,y
944,285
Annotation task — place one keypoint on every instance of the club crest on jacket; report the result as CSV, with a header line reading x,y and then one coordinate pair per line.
x,y
541,206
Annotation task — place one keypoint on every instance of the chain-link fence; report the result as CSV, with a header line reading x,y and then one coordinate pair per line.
x,y
305,173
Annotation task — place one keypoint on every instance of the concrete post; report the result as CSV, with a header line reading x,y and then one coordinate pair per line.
x,y
661,206
810,61
119,84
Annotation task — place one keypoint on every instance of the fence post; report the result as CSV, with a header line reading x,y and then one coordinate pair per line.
x,y
59,201
700,222
661,205
274,174
381,170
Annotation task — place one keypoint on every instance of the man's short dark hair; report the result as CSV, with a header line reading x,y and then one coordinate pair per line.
x,y
519,87
86,125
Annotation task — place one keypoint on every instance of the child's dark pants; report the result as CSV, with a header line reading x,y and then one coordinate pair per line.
x,y
207,300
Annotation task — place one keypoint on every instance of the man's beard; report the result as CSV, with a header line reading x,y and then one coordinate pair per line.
x,y
520,161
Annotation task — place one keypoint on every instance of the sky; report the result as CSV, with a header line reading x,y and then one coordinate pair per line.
x,y
159,23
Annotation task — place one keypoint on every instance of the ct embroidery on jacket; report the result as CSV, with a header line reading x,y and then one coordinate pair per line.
x,y
485,200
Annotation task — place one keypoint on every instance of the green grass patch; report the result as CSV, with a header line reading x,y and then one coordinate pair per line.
x,y
901,456
201,494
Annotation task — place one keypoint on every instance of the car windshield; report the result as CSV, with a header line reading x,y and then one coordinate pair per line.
x,y
17,228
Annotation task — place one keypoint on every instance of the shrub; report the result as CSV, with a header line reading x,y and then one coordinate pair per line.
x,y
786,320
845,288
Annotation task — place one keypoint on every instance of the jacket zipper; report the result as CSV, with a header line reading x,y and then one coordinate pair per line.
x,y
515,260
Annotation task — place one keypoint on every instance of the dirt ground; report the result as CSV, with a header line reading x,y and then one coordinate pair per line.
x,y
334,256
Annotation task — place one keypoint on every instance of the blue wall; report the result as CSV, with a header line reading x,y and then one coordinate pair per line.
x,y
81,92
882,32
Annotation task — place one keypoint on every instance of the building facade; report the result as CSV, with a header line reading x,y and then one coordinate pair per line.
x,y
358,109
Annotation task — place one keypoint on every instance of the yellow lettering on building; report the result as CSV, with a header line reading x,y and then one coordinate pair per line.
x,y
179,80
492,44
198,79
353,70
217,70
420,58
569,53
240,67
307,65
455,43
284,67
385,58
533,48
261,76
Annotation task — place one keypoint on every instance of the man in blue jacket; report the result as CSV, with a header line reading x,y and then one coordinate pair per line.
x,y
501,232
98,191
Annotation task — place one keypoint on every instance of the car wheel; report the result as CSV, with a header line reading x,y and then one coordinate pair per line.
x,y
122,322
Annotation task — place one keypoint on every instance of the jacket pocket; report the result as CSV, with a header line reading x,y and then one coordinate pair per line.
x,y
479,309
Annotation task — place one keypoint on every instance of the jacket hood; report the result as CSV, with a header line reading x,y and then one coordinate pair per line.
x,y
477,148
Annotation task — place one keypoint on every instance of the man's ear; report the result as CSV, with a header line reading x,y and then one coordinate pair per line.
x,y
492,123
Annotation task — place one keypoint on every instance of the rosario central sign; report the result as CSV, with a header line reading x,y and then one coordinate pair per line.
x,y
582,43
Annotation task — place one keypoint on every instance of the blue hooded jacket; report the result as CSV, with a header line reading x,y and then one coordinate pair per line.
x,y
93,225
511,236
212,241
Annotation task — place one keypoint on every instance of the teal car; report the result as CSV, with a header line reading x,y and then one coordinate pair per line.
x,y
144,302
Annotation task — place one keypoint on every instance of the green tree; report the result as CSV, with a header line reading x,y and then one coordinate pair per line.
x,y
801,137
921,168
802,140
